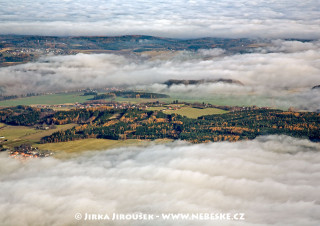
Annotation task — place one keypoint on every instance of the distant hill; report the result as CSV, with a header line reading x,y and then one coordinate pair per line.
x,y
201,81
132,42
16,49
316,87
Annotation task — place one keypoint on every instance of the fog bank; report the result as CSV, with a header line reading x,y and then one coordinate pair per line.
x,y
179,19
274,180
285,71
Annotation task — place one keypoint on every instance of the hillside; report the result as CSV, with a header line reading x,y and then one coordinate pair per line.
x,y
15,49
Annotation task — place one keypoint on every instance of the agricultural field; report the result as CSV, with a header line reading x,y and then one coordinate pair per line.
x,y
16,132
64,149
156,108
50,99
16,135
71,98
142,100
87,144
36,137
235,100
191,112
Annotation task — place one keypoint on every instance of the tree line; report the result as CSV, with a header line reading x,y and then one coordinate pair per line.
x,y
106,123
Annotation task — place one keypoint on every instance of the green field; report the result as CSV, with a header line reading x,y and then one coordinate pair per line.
x,y
156,108
36,137
215,99
50,99
87,144
142,100
68,98
16,135
64,149
191,112
16,132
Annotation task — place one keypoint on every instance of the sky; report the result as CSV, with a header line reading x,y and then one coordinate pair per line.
x,y
179,19
273,180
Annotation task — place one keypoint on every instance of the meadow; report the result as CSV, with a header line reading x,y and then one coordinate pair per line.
x,y
87,144
191,112
12,136
16,135
49,99
70,148
70,98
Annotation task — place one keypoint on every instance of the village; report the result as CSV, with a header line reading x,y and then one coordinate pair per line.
x,y
26,151
175,105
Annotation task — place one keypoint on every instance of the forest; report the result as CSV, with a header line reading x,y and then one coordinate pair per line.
x,y
109,123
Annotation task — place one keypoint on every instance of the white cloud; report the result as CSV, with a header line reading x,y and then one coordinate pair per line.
x,y
290,46
275,70
200,18
284,72
273,180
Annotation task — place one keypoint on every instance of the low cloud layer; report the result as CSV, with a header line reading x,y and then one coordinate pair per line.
x,y
284,71
274,180
182,19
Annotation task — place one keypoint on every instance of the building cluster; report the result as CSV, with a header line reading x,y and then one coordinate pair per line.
x,y
26,152
144,106
111,105
18,51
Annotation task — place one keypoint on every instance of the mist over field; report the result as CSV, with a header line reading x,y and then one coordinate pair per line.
x,y
284,71
274,180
